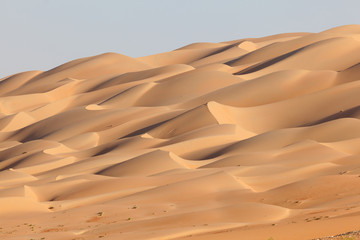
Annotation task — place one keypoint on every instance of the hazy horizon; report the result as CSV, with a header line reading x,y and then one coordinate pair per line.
x,y
42,34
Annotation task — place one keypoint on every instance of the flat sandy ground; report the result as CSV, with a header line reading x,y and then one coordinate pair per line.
x,y
251,139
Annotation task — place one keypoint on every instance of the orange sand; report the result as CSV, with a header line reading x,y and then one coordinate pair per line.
x,y
247,139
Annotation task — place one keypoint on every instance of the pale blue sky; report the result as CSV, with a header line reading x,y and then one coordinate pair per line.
x,y
41,34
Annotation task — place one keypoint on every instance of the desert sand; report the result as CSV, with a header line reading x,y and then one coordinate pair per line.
x,y
254,139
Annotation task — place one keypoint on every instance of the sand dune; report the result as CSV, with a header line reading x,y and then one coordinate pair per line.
x,y
245,139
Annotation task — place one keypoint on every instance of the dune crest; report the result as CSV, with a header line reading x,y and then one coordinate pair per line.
x,y
245,139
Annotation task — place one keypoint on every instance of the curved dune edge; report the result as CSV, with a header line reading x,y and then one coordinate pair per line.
x,y
246,139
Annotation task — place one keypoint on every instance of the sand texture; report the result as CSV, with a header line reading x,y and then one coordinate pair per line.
x,y
251,139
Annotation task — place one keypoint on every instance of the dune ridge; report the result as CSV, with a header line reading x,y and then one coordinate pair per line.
x,y
245,139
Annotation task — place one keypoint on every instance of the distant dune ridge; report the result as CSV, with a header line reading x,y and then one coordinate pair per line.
x,y
247,139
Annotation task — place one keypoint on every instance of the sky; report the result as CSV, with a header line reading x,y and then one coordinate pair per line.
x,y
42,34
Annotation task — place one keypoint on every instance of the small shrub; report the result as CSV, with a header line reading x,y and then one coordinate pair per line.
x,y
348,238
